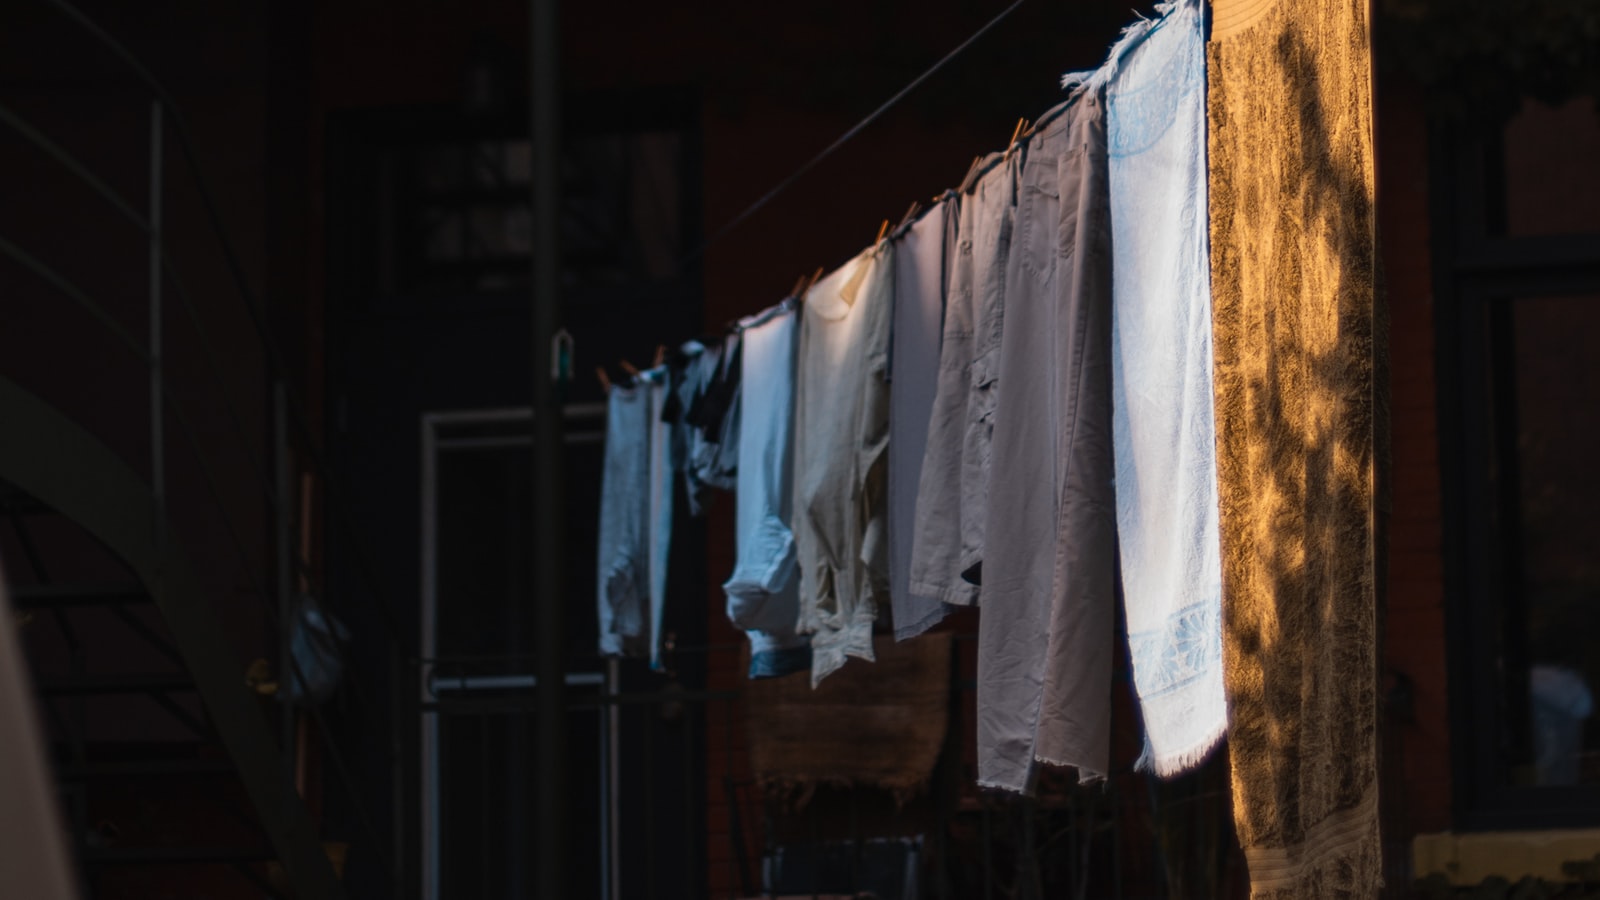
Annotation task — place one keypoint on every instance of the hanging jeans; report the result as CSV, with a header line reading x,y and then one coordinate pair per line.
x,y
624,557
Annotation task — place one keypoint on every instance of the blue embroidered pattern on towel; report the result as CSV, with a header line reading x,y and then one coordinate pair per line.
x,y
1182,652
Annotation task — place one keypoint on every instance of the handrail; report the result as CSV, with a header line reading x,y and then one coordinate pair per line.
x,y
86,481
169,270
60,283
163,268
180,413
59,153
274,355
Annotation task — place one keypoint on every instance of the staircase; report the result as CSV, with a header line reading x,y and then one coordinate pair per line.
x,y
59,470
165,758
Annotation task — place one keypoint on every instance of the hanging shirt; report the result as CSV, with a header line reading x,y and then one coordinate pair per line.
x,y
714,416
919,291
701,392
841,465
764,590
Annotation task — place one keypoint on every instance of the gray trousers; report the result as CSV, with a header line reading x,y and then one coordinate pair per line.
x,y
1046,633
948,543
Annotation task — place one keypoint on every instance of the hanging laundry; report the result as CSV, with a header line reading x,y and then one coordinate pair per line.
x,y
1297,332
696,372
1044,639
841,435
648,440
920,267
992,243
662,474
948,533
714,415
1165,444
625,523
764,590
690,368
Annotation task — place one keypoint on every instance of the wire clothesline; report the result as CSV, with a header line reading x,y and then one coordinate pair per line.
x,y
843,139
979,165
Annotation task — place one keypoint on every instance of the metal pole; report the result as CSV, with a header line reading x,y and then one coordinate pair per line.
x,y
544,72
428,741
158,468
280,490
613,830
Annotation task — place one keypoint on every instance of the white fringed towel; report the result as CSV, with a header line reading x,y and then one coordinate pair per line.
x,y
1163,430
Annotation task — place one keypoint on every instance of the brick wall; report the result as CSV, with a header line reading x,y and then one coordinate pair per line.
x,y
1414,626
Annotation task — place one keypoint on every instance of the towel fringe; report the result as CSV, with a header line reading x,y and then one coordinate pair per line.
x,y
1168,765
1091,79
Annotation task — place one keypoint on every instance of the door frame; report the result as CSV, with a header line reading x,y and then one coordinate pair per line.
x,y
429,688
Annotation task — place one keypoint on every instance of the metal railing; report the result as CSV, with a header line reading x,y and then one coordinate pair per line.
x,y
292,434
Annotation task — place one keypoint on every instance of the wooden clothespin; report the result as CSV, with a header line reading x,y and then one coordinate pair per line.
x,y
1023,128
799,286
605,380
1018,132
911,213
815,277
661,356
628,367
971,176
882,230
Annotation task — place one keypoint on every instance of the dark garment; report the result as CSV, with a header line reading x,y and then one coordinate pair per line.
x,y
701,410
714,416
1045,637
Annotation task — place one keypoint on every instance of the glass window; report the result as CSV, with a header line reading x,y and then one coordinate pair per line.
x,y
1517,292
1549,435
1552,169
462,219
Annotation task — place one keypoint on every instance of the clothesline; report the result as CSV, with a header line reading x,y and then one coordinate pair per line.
x,y
1011,402
980,166
996,442
914,212
845,138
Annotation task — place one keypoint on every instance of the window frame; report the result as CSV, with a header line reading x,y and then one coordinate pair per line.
x,y
1475,271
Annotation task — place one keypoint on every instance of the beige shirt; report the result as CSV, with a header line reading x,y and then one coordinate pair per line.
x,y
841,439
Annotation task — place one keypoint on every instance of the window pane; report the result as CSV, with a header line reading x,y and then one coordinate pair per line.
x,y
1553,531
484,623
1552,176
457,214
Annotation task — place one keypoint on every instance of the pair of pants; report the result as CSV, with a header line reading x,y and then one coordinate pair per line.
x,y
920,266
1045,637
949,538
635,519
